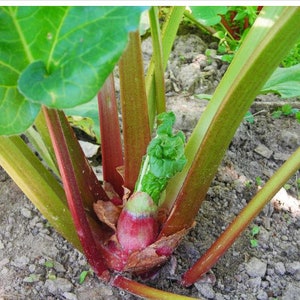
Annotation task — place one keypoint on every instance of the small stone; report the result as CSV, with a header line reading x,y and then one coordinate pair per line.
x,y
31,278
26,213
262,295
89,149
281,156
4,271
254,283
263,151
1,245
70,296
279,268
4,262
256,268
290,138
219,296
31,268
20,261
205,290
58,285
293,268
59,267
291,292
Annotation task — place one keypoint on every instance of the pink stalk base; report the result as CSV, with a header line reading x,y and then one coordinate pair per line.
x,y
137,225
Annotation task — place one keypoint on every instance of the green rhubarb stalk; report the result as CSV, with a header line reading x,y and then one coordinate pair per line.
x,y
168,35
158,58
38,184
241,222
276,27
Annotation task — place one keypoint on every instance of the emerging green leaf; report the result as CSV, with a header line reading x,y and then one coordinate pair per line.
x,y
165,157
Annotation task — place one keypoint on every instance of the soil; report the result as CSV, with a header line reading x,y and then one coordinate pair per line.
x,y
37,263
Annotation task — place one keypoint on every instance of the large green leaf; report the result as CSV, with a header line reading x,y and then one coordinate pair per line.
x,y
284,81
57,56
208,15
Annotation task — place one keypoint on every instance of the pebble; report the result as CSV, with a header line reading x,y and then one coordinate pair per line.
x,y
290,138
263,151
205,290
4,262
294,269
256,267
32,268
1,245
20,261
291,292
262,295
70,296
89,149
254,283
31,278
58,285
279,268
59,267
219,296
26,213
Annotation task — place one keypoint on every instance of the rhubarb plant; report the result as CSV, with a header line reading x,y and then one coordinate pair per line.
x,y
54,58
138,225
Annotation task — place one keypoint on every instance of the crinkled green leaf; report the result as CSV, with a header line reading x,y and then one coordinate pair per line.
x,y
165,157
208,15
57,56
153,186
168,147
167,120
285,82
166,168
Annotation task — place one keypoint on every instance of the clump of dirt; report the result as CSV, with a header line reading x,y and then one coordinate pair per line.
x,y
36,263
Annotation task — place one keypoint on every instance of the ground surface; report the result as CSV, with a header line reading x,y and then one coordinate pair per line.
x,y
36,263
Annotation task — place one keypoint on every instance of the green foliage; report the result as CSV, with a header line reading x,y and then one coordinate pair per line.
x,y
244,12
229,24
249,117
285,82
49,264
258,181
254,232
165,157
57,56
208,15
286,110
293,58
83,275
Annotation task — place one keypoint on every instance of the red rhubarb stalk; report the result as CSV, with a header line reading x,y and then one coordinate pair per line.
x,y
111,147
144,291
59,128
